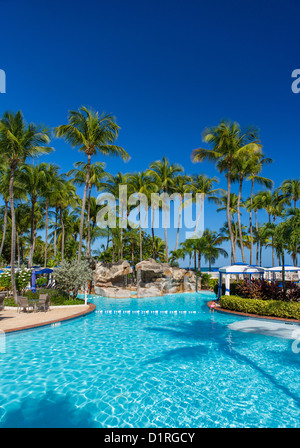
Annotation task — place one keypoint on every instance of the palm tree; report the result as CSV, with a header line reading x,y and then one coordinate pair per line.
x,y
48,187
33,177
97,174
203,185
66,198
188,249
90,133
212,250
273,203
164,175
4,191
140,184
232,212
228,142
291,189
181,187
176,255
19,141
256,166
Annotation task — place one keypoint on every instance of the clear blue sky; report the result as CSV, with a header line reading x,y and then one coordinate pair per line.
x,y
166,69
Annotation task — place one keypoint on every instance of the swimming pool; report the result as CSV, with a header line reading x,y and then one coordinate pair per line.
x,y
153,362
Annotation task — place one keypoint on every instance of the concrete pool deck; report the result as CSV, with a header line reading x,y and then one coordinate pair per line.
x,y
11,320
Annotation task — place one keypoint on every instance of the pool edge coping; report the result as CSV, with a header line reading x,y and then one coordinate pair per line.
x,y
91,309
254,316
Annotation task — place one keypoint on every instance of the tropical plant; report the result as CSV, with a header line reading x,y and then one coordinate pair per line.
x,y
90,133
19,141
228,142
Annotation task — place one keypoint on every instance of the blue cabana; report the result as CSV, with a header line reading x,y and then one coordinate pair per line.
x,y
237,269
44,271
33,279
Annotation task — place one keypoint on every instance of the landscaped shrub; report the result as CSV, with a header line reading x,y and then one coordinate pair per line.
x,y
233,287
57,297
41,281
276,308
72,276
22,279
261,289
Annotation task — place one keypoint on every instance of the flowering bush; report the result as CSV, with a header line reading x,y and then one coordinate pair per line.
x,y
261,289
5,280
22,279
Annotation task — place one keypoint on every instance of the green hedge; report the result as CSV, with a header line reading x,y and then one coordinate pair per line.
x,y
276,308
57,297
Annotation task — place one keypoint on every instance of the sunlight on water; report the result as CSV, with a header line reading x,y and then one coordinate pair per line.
x,y
153,362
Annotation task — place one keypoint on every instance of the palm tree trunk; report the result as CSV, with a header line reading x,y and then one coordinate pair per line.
x,y
250,222
166,232
62,236
89,252
34,240
153,237
13,233
199,261
257,233
46,236
4,227
31,233
198,217
55,231
228,215
178,225
239,221
18,248
132,261
88,169
140,232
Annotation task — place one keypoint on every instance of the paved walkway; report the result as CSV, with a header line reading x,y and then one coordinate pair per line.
x,y
11,320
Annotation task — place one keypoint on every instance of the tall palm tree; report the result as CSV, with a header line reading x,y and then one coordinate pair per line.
x,y
47,190
228,142
164,175
140,183
90,133
33,177
19,141
232,212
4,191
188,249
182,185
291,188
97,174
273,203
204,185
256,166
212,249
67,198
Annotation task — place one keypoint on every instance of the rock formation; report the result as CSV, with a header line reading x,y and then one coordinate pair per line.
x,y
153,279
110,279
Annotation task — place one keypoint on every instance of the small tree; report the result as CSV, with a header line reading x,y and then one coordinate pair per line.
x,y
73,275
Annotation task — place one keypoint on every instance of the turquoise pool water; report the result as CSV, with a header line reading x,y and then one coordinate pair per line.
x,y
154,362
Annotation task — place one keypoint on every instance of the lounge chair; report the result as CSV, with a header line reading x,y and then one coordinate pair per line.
x,y
23,303
43,302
